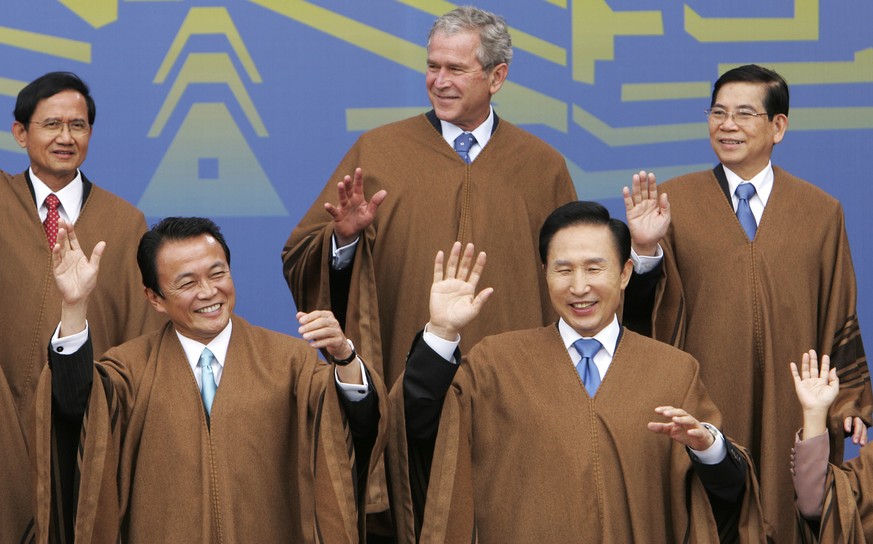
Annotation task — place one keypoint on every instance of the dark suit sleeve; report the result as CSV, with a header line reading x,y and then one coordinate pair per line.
x,y
727,479
639,301
425,384
340,282
363,415
72,375
724,483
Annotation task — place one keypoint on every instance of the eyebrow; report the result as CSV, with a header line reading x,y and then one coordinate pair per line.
x,y
593,260
741,106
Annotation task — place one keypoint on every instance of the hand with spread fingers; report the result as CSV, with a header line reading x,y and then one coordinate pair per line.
x,y
816,388
453,299
352,213
648,214
683,428
75,275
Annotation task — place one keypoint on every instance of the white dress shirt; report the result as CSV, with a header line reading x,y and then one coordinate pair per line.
x,y
70,197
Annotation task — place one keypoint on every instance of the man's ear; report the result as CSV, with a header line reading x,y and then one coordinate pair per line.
x,y
497,77
156,300
19,132
626,272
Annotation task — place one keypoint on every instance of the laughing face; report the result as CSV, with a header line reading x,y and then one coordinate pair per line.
x,y
585,277
55,156
194,277
745,149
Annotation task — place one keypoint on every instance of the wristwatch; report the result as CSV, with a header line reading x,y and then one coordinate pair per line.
x,y
347,360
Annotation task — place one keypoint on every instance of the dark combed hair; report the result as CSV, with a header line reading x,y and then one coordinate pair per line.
x,y
46,87
776,95
172,228
580,212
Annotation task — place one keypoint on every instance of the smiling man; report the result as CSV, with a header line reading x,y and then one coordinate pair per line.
x,y
210,429
540,435
404,190
54,121
756,262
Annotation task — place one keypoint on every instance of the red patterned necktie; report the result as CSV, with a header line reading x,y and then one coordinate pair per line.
x,y
51,220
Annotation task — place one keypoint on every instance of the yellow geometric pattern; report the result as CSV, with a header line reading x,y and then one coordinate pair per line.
x,y
96,13
208,20
802,27
208,68
595,26
859,70
61,48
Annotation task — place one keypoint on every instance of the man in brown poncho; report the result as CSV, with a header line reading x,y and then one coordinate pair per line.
x,y
275,446
755,263
513,444
458,172
54,119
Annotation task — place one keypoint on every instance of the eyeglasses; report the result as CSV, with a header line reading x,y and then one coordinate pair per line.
x,y
740,117
56,126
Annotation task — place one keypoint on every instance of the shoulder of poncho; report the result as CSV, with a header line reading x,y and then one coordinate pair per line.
x,y
656,348
804,189
260,337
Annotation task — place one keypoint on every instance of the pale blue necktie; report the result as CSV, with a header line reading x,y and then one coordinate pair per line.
x,y
587,348
744,192
207,380
463,144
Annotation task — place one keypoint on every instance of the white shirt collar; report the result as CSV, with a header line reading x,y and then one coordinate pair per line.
x,y
763,182
70,197
218,346
482,132
608,337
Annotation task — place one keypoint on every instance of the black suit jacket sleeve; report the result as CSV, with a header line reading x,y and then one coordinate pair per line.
x,y
425,384
724,483
725,480
363,415
72,375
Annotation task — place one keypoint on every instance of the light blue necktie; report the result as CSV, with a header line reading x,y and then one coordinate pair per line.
x,y
744,192
463,144
587,348
207,379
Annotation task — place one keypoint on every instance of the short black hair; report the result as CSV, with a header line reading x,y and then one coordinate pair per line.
x,y
47,86
775,96
580,212
172,228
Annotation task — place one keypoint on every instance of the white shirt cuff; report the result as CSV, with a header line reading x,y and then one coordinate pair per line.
x,y
342,257
354,391
69,344
646,263
714,454
444,348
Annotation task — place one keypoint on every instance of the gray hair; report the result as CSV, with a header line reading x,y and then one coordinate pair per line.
x,y
495,45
